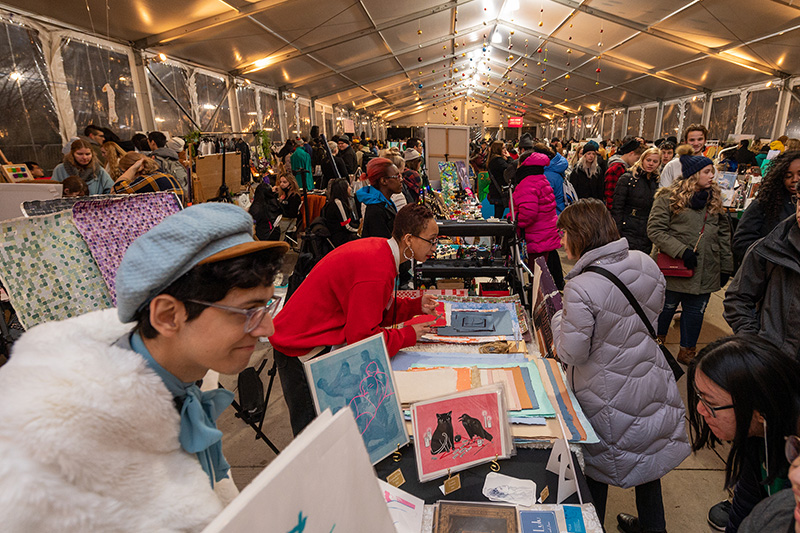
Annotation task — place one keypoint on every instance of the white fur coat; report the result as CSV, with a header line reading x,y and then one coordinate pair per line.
x,y
89,437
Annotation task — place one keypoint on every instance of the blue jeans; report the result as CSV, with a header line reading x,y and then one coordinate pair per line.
x,y
694,307
649,505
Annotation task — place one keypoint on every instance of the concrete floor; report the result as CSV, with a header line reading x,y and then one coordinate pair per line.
x,y
688,491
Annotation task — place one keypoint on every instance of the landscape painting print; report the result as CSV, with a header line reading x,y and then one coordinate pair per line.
x,y
456,432
359,376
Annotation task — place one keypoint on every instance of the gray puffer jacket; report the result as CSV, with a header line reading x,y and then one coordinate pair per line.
x,y
617,371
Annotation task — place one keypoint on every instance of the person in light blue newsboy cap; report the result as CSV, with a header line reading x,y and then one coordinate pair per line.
x,y
123,434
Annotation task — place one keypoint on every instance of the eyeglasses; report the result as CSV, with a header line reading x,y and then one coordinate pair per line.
x,y
254,315
433,242
396,176
711,409
792,448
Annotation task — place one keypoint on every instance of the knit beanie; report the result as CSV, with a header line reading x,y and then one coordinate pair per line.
x,y
591,146
692,164
628,147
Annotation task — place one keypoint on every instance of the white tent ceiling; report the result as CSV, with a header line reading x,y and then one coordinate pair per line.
x,y
398,58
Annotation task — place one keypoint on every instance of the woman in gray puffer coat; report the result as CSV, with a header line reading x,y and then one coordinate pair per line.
x,y
616,370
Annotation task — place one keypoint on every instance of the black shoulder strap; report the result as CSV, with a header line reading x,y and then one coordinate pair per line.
x,y
631,299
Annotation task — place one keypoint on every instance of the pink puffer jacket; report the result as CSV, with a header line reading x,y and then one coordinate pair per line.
x,y
535,205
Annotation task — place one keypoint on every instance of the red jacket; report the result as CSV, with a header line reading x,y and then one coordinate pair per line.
x,y
347,297
615,170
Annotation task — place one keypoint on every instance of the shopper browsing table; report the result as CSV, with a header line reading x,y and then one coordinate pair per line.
x,y
616,370
102,425
351,295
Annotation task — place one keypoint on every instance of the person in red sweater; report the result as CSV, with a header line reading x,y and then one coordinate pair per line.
x,y
348,296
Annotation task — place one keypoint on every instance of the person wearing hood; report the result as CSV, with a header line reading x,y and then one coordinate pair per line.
x,y
618,164
80,161
554,172
384,181
762,298
347,154
168,159
535,207
688,222
616,370
587,176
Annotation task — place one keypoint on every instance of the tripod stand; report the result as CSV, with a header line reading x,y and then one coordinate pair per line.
x,y
256,420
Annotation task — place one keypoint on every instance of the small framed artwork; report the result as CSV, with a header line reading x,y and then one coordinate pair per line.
x,y
17,173
458,431
464,517
359,376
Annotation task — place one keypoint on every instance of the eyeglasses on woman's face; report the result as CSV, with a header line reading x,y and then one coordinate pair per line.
x,y
254,315
433,242
711,408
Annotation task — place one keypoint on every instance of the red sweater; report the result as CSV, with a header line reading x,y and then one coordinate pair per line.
x,y
347,297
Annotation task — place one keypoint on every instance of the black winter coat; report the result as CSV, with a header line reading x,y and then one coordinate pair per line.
x,y
378,221
633,199
589,187
349,158
754,225
497,168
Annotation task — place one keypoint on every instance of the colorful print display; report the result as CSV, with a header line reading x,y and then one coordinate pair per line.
x,y
359,376
48,270
456,432
110,226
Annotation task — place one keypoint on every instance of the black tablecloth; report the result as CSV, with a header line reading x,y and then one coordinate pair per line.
x,y
527,464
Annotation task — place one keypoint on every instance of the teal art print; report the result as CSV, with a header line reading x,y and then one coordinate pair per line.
x,y
359,377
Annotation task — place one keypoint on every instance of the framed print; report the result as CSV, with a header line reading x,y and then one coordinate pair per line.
x,y
359,376
453,433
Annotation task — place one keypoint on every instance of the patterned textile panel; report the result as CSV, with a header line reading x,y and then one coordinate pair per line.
x,y
110,226
48,270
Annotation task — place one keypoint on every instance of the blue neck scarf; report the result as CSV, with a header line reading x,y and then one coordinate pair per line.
x,y
199,411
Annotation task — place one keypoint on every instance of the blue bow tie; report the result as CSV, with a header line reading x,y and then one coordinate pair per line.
x,y
199,411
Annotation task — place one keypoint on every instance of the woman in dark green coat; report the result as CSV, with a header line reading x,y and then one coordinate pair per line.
x,y
688,222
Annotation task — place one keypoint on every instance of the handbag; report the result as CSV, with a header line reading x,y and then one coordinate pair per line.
x,y
674,267
677,371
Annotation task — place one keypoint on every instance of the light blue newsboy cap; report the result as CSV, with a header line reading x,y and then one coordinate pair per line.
x,y
202,233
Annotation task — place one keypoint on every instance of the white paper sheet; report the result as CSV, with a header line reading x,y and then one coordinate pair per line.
x,y
406,509
323,481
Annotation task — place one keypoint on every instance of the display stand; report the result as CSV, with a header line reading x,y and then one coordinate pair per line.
x,y
509,267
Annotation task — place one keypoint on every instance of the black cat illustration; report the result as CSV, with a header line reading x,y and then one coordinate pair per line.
x,y
473,427
442,439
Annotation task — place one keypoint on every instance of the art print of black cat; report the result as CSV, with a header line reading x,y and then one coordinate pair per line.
x,y
442,439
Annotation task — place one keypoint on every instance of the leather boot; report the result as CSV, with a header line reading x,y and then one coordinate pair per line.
x,y
685,355
630,524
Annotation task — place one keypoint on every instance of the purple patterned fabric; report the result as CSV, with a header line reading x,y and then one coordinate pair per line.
x,y
110,226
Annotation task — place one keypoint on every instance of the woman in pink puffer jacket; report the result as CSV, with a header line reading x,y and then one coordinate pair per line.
x,y
535,206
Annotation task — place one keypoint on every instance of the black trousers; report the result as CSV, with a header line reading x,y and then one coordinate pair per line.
x,y
295,390
553,265
649,505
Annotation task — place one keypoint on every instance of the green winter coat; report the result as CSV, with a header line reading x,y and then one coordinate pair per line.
x,y
673,234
